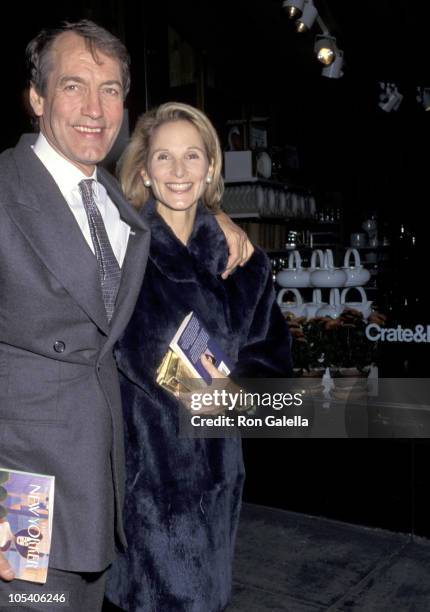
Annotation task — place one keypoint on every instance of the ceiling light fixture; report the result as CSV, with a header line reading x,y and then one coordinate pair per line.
x,y
334,70
307,20
306,14
390,97
423,97
293,8
325,49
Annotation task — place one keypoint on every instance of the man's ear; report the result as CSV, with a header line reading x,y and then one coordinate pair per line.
x,y
36,101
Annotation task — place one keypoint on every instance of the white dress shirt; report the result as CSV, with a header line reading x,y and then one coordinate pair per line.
x,y
67,176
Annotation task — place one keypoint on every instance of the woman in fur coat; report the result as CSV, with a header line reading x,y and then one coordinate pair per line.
x,y
183,495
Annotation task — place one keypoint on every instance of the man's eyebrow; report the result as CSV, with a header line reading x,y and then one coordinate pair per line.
x,y
76,79
113,82
68,77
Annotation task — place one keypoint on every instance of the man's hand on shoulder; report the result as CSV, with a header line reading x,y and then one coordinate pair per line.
x,y
6,572
239,247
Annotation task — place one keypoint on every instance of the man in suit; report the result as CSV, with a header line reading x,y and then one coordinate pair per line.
x,y
72,259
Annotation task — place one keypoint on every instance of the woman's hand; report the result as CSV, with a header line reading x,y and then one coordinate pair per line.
x,y
216,375
239,247
211,369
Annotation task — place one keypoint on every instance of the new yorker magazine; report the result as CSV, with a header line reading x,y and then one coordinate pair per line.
x,y
26,508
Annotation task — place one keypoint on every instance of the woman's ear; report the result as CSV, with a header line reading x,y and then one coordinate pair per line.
x,y
211,170
145,178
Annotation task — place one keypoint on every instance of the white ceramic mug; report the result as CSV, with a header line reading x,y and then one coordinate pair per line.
x,y
283,211
334,309
312,207
296,308
294,204
365,307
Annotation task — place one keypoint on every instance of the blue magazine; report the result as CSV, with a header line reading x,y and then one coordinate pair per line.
x,y
191,341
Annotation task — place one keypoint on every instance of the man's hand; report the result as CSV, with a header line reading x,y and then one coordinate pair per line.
x,y
6,572
239,247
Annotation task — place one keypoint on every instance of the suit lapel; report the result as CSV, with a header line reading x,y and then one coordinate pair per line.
x,y
43,216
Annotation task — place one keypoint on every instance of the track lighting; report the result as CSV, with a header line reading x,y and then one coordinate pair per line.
x,y
306,14
423,97
390,97
294,8
325,49
334,70
307,20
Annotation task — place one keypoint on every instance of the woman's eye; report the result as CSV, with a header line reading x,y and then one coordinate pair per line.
x,y
162,156
193,156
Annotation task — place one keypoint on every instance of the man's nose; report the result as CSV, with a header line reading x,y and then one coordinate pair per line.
x,y
91,106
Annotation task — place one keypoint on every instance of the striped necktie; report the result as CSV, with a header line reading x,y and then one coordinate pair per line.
x,y
109,270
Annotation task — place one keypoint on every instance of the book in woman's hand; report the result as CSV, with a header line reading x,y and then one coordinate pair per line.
x,y
181,370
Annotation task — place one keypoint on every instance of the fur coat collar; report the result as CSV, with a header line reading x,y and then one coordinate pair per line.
x,y
177,261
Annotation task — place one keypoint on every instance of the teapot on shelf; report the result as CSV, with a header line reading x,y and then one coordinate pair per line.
x,y
296,308
315,305
356,275
328,276
365,306
334,309
294,275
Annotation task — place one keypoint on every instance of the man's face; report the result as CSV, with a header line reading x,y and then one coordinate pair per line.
x,y
81,111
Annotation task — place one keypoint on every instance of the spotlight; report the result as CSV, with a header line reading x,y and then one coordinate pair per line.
x,y
390,97
294,8
423,97
325,49
334,70
306,21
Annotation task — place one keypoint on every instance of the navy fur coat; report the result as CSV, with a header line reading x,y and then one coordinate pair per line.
x,y
183,495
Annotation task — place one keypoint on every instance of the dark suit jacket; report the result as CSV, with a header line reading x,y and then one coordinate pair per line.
x,y
60,408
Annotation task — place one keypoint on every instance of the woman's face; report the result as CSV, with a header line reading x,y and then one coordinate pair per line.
x,y
178,165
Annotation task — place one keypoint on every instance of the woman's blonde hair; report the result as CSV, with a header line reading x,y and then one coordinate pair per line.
x,y
135,156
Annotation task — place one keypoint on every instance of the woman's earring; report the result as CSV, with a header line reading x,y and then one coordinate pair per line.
x,y
208,179
147,183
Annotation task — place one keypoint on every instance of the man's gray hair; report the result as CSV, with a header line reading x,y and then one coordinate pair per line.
x,y
96,38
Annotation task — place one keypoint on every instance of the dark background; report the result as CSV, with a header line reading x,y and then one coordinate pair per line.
x,y
250,62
